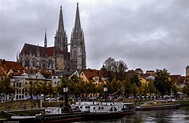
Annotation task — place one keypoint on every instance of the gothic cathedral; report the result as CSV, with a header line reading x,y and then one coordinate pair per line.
x,y
57,57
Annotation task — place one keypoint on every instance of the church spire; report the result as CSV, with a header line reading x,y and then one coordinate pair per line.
x,y
45,40
60,24
77,25
60,37
77,49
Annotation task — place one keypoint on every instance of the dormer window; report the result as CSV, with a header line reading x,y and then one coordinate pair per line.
x,y
96,79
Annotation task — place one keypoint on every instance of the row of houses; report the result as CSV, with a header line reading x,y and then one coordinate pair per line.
x,y
21,77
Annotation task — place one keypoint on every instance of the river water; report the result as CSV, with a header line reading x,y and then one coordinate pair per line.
x,y
159,116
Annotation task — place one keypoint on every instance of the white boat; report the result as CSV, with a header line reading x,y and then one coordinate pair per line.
x,y
102,110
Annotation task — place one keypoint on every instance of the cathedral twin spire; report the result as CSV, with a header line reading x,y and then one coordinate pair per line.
x,y
61,37
77,49
57,57
60,24
77,25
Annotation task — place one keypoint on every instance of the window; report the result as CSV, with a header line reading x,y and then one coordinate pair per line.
x,y
115,109
96,79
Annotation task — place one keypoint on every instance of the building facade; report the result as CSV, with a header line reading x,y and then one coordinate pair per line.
x,y
57,57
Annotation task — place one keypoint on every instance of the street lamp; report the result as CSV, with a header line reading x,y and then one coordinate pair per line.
x,y
65,90
41,100
105,91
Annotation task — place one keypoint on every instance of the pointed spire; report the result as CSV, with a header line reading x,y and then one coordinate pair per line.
x,y
77,25
60,24
45,40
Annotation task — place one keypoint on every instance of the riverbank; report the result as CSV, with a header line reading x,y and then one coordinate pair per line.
x,y
184,102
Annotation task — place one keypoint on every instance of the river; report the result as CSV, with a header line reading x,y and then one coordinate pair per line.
x,y
159,116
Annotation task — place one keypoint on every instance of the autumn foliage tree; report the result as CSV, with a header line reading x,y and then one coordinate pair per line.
x,y
5,87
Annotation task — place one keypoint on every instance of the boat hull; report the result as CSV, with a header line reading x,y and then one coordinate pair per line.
x,y
55,118
160,107
105,115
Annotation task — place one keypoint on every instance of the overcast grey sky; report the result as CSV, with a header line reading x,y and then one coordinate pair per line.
x,y
150,34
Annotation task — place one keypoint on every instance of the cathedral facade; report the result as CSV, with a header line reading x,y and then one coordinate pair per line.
x,y
57,57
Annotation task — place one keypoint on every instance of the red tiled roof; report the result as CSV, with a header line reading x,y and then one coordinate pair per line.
x,y
44,51
89,73
138,69
7,65
15,67
177,78
2,72
50,51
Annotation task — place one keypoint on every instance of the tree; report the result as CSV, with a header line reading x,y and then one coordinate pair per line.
x,y
122,67
185,89
117,86
162,82
117,67
135,79
134,89
49,89
109,63
6,87
127,87
151,87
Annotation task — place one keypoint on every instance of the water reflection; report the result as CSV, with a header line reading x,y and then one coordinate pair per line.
x,y
160,116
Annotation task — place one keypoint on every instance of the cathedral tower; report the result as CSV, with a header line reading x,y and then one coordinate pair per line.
x,y
60,37
77,50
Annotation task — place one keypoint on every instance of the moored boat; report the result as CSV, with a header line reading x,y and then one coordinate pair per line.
x,y
104,110
159,105
51,115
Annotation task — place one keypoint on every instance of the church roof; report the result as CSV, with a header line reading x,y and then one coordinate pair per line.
x,y
44,51
30,48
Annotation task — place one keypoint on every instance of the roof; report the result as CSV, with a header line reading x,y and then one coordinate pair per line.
x,y
10,68
89,73
30,49
11,65
59,74
139,69
2,72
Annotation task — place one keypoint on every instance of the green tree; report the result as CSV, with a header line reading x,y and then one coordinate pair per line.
x,y
117,86
49,88
135,79
134,89
151,87
185,89
175,89
145,89
127,87
162,82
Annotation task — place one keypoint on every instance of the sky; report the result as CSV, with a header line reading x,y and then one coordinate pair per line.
x,y
146,34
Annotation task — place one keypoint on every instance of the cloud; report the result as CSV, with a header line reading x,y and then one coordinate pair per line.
x,y
147,34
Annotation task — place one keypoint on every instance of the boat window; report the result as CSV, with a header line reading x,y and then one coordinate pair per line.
x,y
111,109
102,108
87,107
115,109
80,106
94,108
